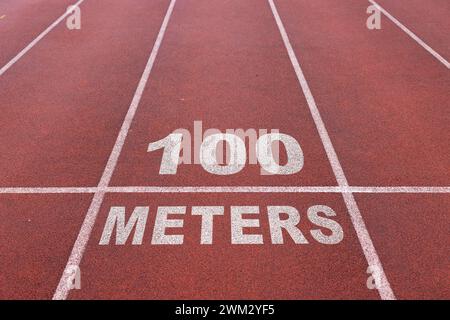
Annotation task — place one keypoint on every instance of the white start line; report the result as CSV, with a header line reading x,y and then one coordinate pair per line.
x,y
229,189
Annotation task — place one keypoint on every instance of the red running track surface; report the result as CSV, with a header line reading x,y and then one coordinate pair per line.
x,y
382,98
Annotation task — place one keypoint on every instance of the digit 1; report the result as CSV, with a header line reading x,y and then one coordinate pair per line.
x,y
171,154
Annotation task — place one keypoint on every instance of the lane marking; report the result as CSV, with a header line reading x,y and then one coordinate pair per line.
x,y
225,189
76,255
412,35
277,189
36,40
384,288
46,190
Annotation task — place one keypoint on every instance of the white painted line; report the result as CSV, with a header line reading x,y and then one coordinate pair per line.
x,y
403,189
36,40
383,287
277,189
76,255
46,190
225,189
412,35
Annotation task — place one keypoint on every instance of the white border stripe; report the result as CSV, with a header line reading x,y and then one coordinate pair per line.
x,y
76,255
46,190
224,189
384,288
277,189
412,35
37,39
399,189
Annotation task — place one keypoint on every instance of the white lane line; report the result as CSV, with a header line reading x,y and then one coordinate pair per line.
x,y
412,35
37,39
224,189
277,189
76,255
403,189
46,190
383,287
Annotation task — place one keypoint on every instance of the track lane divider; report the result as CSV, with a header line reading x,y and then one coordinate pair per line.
x,y
79,247
412,35
383,285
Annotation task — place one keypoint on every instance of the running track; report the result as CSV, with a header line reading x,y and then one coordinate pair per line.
x,y
369,108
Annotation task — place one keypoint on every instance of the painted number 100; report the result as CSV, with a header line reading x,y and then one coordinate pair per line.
x,y
236,153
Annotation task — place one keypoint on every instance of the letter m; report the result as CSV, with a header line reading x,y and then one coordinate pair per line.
x,y
116,218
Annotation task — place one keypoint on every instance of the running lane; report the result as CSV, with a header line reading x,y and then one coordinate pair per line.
x,y
222,63
62,106
228,72
384,100
63,103
427,19
36,235
22,20
383,97
222,270
411,233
